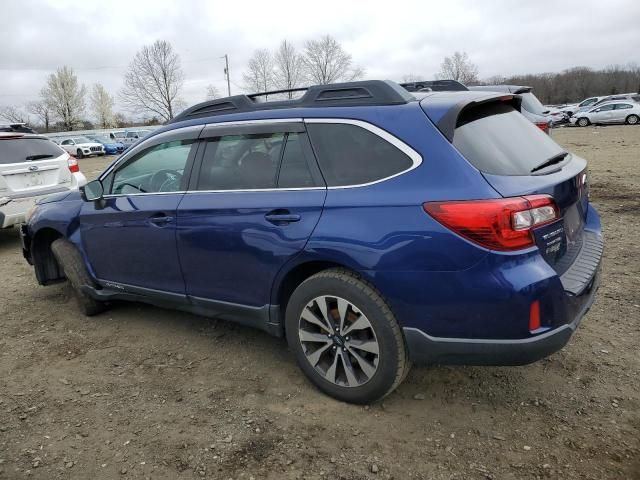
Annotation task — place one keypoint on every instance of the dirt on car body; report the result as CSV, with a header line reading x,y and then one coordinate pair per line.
x,y
141,392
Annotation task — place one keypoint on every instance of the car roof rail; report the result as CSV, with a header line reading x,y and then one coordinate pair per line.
x,y
348,94
435,86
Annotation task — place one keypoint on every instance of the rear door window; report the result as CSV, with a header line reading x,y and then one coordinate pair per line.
x,y
352,155
17,150
497,139
294,169
622,106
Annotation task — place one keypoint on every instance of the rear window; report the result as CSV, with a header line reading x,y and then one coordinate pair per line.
x,y
498,140
352,155
18,150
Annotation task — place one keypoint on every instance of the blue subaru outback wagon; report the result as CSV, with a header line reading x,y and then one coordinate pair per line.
x,y
372,227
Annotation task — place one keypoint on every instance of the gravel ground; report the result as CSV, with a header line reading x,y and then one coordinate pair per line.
x,y
141,392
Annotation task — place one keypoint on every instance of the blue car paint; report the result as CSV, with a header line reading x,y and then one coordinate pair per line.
x,y
219,247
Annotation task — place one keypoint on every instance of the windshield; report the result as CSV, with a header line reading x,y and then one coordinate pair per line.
x,y
499,140
530,103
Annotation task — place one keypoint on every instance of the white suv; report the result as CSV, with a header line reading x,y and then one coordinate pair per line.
x,y
82,147
32,166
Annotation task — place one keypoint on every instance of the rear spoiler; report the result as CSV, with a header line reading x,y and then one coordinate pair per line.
x,y
445,116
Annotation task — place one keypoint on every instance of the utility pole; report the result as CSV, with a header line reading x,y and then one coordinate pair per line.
x,y
226,72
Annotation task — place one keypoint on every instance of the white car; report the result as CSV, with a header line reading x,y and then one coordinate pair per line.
x,y
583,105
612,112
81,147
32,167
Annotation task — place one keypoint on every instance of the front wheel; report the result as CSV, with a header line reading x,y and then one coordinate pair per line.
x,y
632,120
345,337
583,122
79,154
70,260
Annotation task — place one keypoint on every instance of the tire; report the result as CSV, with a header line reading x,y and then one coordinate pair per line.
x,y
70,260
583,122
326,358
632,120
79,154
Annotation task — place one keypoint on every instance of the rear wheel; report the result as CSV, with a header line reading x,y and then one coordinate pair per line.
x,y
79,154
632,120
70,260
583,122
345,338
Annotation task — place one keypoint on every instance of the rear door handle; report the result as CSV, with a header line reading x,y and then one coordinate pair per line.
x,y
281,217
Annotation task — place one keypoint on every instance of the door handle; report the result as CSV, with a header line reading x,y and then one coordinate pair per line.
x,y
160,220
281,217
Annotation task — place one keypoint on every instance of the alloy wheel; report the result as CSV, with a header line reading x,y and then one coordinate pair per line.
x,y
338,341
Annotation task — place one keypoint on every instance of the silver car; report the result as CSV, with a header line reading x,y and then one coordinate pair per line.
x,y
613,112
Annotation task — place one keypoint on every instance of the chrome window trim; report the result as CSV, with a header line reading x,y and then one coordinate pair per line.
x,y
415,157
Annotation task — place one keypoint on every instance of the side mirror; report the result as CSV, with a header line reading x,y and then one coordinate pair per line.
x,y
92,191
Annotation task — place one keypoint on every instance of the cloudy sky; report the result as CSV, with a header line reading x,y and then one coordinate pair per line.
x,y
389,39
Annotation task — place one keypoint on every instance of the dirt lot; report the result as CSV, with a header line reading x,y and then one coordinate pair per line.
x,y
141,392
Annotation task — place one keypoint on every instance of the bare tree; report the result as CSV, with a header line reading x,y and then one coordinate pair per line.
x,y
212,92
325,61
65,97
13,114
289,69
259,74
154,80
458,67
41,110
102,104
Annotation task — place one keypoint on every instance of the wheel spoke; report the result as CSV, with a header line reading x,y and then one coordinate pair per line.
x,y
331,371
342,311
322,305
352,381
367,368
313,337
314,358
360,324
370,346
309,316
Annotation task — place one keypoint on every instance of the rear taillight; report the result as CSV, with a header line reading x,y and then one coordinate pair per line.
x,y
73,165
501,224
544,126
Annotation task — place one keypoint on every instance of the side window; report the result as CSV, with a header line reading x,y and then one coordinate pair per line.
x,y
294,170
158,169
605,108
66,142
131,134
352,155
622,106
241,162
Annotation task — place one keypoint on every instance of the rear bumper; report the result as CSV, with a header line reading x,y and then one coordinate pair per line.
x,y
13,213
425,349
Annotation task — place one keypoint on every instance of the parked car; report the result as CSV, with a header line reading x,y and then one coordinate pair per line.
x,y
132,136
117,136
81,146
532,108
631,97
32,167
110,147
612,112
570,109
438,227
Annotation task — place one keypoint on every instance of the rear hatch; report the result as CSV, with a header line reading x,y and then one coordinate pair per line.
x,y
518,159
31,166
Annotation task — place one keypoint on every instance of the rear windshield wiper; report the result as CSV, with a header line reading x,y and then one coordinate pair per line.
x,y
552,161
38,157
